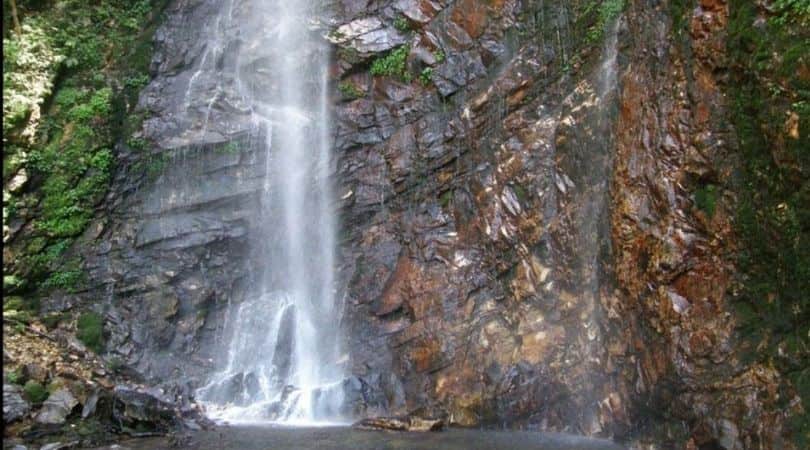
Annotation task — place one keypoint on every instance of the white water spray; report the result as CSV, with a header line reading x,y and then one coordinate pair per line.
x,y
283,358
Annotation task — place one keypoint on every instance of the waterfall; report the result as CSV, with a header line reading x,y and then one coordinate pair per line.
x,y
284,351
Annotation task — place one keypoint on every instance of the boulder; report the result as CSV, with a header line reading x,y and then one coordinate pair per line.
x,y
57,407
14,405
412,423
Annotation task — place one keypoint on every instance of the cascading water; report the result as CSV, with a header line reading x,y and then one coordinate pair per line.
x,y
283,354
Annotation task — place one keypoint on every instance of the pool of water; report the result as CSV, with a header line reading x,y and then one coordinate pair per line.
x,y
339,438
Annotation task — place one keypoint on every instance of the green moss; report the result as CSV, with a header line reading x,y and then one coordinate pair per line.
x,y
608,11
767,89
706,199
438,55
229,148
35,392
394,64
155,165
401,24
349,55
90,330
69,280
520,192
349,91
446,198
426,76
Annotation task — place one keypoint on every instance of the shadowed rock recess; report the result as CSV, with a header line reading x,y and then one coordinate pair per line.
x,y
519,243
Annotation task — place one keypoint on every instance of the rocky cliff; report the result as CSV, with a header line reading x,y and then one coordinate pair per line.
x,y
537,203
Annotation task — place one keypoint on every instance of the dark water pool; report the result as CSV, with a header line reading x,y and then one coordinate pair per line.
x,y
335,438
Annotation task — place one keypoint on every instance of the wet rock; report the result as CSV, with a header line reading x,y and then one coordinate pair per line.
x,y
57,407
89,406
14,405
421,425
458,70
59,446
136,409
420,11
368,35
282,356
412,423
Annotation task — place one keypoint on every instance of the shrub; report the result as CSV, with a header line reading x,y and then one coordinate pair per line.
x,y
90,330
35,392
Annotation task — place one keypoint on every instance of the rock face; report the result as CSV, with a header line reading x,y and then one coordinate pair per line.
x,y
14,405
520,243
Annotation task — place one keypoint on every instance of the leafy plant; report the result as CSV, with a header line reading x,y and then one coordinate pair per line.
x,y
68,280
393,65
402,24
439,56
425,77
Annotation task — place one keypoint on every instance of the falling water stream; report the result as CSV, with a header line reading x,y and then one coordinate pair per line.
x,y
283,343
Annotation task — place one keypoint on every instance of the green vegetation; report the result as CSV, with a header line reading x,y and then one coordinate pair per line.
x,y
70,76
14,376
426,76
152,165
608,11
438,55
349,91
770,93
13,304
446,198
34,392
229,148
706,199
401,24
394,64
349,54
90,330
